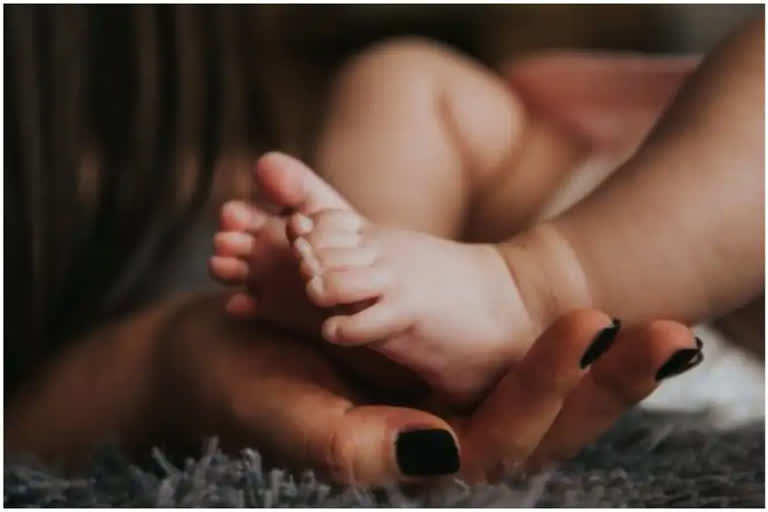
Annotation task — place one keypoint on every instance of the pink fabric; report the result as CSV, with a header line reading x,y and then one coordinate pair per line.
x,y
609,99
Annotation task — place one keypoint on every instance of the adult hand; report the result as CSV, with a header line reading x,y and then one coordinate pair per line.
x,y
287,398
202,373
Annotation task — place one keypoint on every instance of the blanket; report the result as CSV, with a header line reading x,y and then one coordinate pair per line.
x,y
647,460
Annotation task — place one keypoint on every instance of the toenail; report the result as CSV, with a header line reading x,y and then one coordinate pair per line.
x,y
682,361
303,247
304,224
601,343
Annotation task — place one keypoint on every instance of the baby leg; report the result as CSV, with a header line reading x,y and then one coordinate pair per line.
x,y
590,113
413,131
395,147
422,138
436,168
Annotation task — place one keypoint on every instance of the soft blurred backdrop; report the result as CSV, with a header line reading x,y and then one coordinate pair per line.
x,y
312,40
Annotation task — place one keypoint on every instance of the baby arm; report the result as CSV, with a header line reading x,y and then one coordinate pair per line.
x,y
678,230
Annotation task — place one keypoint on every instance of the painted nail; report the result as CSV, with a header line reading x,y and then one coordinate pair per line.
x,y
427,452
682,361
601,344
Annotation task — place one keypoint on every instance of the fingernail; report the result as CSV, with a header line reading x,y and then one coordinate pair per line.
x,y
682,361
601,344
427,452
303,224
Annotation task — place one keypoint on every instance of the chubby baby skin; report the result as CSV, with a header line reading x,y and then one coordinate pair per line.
x,y
436,306
446,308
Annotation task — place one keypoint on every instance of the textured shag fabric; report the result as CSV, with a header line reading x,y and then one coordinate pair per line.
x,y
648,460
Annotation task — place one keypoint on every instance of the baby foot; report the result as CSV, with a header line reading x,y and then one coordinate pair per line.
x,y
252,248
446,310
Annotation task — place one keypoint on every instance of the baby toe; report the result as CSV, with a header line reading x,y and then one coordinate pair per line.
x,y
308,263
299,225
229,270
377,322
332,228
337,258
241,216
338,220
233,243
347,286
321,239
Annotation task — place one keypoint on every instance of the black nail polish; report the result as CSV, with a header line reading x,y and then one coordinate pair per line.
x,y
427,452
601,344
682,361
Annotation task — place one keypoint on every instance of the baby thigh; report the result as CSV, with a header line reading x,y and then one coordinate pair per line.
x,y
412,130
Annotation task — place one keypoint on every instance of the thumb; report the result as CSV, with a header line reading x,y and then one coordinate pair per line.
x,y
300,412
376,445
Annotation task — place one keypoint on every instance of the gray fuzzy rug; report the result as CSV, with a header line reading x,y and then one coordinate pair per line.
x,y
648,460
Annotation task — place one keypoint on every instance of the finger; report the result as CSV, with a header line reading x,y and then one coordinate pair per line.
x,y
378,444
508,425
627,374
353,445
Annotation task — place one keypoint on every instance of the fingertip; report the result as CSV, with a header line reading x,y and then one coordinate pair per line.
x,y
427,452
383,445
573,342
